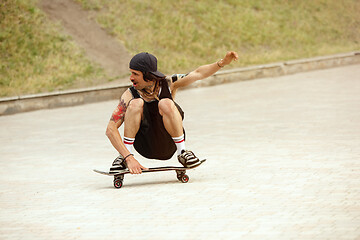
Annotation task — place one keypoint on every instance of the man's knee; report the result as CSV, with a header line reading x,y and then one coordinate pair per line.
x,y
167,106
135,106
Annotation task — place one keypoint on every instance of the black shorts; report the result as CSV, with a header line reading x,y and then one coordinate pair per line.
x,y
152,140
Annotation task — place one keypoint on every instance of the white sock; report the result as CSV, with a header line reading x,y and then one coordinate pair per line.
x,y
129,143
180,143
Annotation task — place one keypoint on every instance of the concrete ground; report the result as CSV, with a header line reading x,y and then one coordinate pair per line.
x,y
283,163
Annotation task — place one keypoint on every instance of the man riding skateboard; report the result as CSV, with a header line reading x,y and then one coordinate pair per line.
x,y
152,120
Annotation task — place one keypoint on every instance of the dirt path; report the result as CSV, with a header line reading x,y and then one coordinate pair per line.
x,y
99,46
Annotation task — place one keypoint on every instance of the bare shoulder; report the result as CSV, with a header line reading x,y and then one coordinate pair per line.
x,y
126,97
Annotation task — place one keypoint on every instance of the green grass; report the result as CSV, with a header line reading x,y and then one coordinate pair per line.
x,y
184,34
36,56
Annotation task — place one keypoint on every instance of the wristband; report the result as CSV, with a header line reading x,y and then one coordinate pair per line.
x,y
128,156
219,64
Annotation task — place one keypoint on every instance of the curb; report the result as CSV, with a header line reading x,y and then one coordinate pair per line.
x,y
68,98
280,69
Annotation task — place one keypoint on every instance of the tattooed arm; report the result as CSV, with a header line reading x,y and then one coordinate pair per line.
x,y
112,132
116,120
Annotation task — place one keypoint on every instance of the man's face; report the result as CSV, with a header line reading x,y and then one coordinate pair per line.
x,y
137,80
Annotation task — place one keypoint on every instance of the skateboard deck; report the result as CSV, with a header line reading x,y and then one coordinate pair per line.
x,y
180,172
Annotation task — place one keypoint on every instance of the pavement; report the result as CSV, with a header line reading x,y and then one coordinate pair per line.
x,y
282,163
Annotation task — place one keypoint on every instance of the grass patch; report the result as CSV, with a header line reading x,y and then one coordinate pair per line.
x,y
184,34
34,55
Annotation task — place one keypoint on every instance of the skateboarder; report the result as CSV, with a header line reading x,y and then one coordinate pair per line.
x,y
152,120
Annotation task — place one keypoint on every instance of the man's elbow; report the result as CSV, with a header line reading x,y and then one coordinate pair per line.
x,y
109,130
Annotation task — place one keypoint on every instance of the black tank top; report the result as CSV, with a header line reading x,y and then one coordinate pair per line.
x,y
152,140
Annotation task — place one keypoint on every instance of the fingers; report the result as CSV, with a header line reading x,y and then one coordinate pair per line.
x,y
137,169
134,166
229,57
144,168
235,56
232,55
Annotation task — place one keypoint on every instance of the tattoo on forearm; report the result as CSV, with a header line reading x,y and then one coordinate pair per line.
x,y
119,112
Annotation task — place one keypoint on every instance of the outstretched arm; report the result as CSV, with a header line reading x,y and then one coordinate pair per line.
x,y
204,71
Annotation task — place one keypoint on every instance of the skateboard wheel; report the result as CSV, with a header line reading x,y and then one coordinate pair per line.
x,y
184,178
118,183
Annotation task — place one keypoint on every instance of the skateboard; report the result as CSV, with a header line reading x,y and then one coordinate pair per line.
x,y
180,173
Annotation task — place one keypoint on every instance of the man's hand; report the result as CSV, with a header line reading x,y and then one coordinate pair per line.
x,y
134,166
229,57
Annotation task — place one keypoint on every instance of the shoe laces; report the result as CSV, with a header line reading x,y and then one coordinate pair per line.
x,y
189,155
118,161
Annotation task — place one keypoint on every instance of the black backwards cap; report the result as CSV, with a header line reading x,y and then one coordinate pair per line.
x,y
145,62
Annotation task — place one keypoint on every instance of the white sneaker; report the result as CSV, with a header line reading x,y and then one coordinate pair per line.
x,y
188,159
118,165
